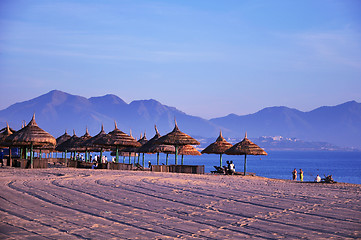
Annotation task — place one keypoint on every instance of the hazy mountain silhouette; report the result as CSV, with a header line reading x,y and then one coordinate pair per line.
x,y
58,111
340,125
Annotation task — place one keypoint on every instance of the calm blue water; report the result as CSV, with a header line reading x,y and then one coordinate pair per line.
x,y
343,166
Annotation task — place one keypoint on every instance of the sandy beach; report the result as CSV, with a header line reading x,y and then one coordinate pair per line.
x,y
66,203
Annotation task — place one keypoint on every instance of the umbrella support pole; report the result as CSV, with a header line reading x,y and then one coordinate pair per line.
x,y
31,156
138,158
245,163
26,153
40,155
86,155
182,159
158,158
143,159
11,162
166,160
130,158
117,155
176,154
220,160
101,156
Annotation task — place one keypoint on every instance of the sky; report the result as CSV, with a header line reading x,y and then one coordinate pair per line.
x,y
207,58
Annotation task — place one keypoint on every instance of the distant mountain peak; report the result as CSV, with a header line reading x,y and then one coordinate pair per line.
x,y
110,98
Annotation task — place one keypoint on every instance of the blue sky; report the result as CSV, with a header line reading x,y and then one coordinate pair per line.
x,y
206,58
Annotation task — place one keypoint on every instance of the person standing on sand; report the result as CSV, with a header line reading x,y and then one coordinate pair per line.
x,y
232,168
318,178
301,175
294,175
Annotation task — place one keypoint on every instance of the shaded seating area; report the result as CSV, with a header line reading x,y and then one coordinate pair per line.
x,y
138,167
219,170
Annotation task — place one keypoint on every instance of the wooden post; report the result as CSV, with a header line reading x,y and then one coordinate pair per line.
x,y
182,160
245,161
176,154
31,156
220,160
101,155
166,160
116,155
157,158
10,161
66,160
40,154
143,159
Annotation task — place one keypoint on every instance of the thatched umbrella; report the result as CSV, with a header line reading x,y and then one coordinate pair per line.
x,y
79,143
143,140
31,135
117,139
6,129
245,147
218,147
188,150
62,139
177,138
90,145
151,147
68,145
4,133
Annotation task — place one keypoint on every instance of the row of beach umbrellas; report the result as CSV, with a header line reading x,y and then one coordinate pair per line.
x,y
176,142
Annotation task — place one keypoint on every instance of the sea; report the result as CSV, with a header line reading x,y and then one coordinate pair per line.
x,y
343,166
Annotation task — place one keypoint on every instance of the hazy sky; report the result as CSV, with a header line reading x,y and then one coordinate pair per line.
x,y
206,58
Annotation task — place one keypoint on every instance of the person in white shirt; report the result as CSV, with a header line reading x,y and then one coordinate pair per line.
x,y
318,178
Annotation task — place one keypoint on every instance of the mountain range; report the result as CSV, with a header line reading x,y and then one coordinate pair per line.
x,y
57,111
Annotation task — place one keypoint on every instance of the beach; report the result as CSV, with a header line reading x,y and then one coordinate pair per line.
x,y
69,203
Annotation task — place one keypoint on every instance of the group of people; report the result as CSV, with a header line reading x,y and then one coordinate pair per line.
x,y
294,176
230,168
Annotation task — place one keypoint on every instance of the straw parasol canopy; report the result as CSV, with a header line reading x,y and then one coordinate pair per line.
x,y
7,128
117,139
245,147
129,150
188,150
218,147
5,132
177,138
62,138
31,135
79,143
68,145
90,145
151,146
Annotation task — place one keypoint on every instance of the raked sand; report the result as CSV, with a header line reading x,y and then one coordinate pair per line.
x,y
64,203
